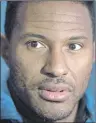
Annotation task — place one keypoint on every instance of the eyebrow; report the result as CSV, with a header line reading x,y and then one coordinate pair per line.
x,y
33,35
77,37
43,37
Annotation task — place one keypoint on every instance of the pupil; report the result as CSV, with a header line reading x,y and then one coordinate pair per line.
x,y
72,46
34,44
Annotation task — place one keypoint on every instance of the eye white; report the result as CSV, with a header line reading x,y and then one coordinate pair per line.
x,y
34,44
78,47
75,47
39,45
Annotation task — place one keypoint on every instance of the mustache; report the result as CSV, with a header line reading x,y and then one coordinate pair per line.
x,y
56,81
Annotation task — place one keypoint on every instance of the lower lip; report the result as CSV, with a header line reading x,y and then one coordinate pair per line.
x,y
54,96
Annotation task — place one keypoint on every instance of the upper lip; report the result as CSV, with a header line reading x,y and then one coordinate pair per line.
x,y
55,87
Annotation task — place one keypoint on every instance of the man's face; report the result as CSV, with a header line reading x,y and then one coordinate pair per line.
x,y
51,56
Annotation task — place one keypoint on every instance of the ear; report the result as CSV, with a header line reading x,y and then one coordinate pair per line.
x,y
4,51
94,51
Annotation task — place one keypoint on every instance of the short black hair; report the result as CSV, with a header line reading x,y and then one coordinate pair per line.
x,y
11,11
10,19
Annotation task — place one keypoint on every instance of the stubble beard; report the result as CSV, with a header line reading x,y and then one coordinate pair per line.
x,y
15,77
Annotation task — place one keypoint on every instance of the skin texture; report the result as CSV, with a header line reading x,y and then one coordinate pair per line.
x,y
54,26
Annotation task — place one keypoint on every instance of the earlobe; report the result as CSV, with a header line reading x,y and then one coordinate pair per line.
x,y
4,47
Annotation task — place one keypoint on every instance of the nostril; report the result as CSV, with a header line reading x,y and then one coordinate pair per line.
x,y
51,75
61,90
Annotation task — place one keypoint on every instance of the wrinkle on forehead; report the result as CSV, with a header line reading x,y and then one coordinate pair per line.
x,y
56,25
42,17
55,22
55,11
56,16
56,8
45,13
56,29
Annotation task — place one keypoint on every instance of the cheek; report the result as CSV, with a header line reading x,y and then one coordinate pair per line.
x,y
30,64
82,74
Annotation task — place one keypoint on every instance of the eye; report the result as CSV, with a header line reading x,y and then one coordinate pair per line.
x,y
75,47
34,44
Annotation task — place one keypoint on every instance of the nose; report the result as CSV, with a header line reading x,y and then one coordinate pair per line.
x,y
56,65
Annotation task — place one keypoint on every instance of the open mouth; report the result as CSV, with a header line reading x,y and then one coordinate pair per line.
x,y
54,93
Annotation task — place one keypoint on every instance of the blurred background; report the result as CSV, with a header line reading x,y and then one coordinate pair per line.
x,y
91,91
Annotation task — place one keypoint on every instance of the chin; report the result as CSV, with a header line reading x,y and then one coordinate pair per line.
x,y
53,115
60,115
52,111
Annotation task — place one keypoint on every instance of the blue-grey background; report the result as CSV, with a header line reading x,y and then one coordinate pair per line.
x,y
91,91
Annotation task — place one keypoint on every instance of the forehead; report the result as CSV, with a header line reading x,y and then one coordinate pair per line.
x,y
57,17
